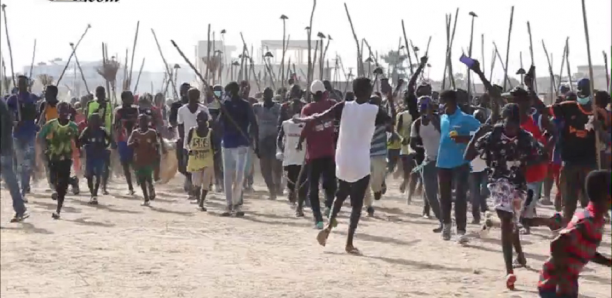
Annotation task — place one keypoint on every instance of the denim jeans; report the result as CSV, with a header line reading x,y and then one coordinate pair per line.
x,y
429,176
8,174
478,193
234,166
25,157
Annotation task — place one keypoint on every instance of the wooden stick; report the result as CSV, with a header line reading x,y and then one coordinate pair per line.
x,y
550,73
506,79
569,68
482,51
493,60
214,51
605,56
508,48
310,61
521,59
133,54
208,48
104,61
138,77
282,64
447,17
168,71
450,50
30,83
593,105
469,73
8,42
71,54
126,83
535,81
561,70
359,50
407,48
76,60
315,55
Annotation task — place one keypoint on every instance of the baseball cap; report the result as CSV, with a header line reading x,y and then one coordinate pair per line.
x,y
317,86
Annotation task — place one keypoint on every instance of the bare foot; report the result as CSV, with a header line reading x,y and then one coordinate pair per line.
x,y
352,250
322,236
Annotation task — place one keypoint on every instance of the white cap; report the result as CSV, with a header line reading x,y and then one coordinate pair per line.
x,y
317,86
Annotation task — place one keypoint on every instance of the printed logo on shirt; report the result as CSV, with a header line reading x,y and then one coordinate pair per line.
x,y
323,126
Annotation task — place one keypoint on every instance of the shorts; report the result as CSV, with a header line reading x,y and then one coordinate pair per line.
x,y
202,178
506,197
126,153
144,172
534,191
95,166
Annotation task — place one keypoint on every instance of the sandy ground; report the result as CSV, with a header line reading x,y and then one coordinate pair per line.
x,y
121,249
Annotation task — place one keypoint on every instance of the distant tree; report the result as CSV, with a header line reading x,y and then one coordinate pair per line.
x,y
395,62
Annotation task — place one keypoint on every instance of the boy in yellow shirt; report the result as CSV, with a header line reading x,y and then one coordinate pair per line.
x,y
201,158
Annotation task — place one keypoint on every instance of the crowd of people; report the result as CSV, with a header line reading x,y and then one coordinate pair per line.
x,y
507,149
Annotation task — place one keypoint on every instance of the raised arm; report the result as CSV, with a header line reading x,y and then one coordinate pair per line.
x,y
494,93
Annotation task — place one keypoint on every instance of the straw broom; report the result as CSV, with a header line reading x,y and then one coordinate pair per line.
x,y
109,71
593,105
45,80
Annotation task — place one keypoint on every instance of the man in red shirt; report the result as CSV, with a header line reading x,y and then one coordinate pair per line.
x,y
577,244
320,151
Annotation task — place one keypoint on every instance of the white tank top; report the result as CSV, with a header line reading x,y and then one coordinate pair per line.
x,y
357,125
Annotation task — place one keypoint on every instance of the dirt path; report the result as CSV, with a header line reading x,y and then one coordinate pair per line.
x,y
120,249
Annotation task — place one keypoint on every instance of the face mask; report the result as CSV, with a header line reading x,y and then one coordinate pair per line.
x,y
217,94
583,100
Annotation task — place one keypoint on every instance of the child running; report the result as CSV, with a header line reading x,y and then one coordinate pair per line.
x,y
201,158
144,141
59,134
95,139
507,150
577,244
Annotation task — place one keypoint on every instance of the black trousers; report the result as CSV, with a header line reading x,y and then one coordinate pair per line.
x,y
318,168
356,190
457,177
59,171
299,189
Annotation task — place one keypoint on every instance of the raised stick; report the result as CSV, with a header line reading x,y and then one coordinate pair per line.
x,y
567,63
310,61
561,71
407,48
359,50
450,50
535,81
605,56
593,105
493,60
208,48
31,68
506,79
168,71
447,45
469,73
71,54
138,77
550,73
8,43
133,54
76,60
282,64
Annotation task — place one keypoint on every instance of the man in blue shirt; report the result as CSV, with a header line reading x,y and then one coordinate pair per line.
x,y
239,126
23,107
456,129
6,162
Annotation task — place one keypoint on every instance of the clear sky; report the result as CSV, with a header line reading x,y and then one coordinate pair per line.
x,y
55,25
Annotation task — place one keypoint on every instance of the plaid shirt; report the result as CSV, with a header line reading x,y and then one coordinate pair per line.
x,y
584,233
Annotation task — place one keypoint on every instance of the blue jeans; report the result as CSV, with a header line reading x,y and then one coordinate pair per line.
x,y
429,176
234,166
8,174
25,157
478,193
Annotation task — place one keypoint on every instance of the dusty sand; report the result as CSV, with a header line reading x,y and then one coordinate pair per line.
x,y
120,249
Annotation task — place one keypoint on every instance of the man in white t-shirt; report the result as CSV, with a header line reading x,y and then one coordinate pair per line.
x,y
293,160
186,119
357,120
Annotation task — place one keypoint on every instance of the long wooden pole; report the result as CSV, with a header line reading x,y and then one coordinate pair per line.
x,y
208,48
561,71
133,54
450,50
508,48
550,73
76,60
138,77
593,104
282,64
168,71
8,43
71,54
469,73
310,61
605,56
407,48
359,50
567,63
535,80
447,45
506,79
31,68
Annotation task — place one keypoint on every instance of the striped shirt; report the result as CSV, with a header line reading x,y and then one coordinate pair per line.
x,y
379,141
584,233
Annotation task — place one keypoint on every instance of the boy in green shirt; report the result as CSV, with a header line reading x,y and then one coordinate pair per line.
x,y
58,136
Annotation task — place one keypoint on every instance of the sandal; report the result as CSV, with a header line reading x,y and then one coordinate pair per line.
x,y
510,280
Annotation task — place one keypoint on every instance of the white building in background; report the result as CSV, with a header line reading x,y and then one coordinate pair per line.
x,y
71,84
